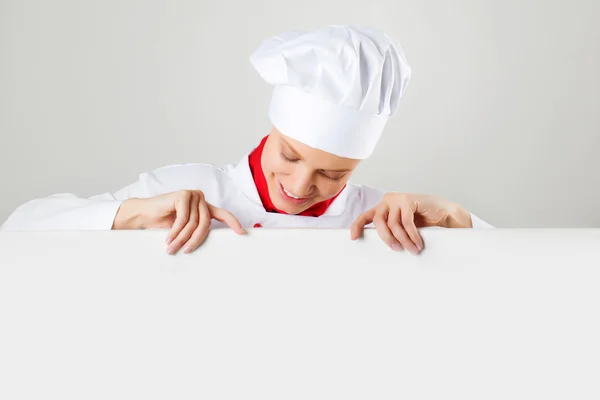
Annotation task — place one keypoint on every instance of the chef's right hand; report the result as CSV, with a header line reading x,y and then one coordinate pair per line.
x,y
185,212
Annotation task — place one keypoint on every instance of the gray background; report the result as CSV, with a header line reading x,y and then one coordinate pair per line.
x,y
501,113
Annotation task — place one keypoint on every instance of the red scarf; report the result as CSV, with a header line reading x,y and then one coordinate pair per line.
x,y
260,182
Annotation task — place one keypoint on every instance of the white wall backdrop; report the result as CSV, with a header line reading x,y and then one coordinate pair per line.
x,y
501,115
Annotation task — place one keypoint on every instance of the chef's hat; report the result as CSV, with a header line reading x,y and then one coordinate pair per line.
x,y
335,87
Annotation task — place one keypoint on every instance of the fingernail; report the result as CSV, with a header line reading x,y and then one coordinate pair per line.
x,y
420,246
187,249
169,240
171,251
396,247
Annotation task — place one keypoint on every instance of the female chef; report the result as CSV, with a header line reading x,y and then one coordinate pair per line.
x,y
334,90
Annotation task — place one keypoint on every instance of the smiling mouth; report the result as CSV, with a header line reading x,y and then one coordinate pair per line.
x,y
291,198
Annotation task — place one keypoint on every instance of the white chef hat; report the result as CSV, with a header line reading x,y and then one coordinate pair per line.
x,y
335,88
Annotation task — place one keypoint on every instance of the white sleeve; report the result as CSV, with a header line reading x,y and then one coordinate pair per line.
x,y
478,223
66,211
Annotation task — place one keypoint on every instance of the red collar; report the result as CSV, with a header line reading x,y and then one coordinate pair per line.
x,y
260,182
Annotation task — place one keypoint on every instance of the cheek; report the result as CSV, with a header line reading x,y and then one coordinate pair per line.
x,y
276,166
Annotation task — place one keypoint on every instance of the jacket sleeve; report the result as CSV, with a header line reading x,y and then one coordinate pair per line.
x,y
66,211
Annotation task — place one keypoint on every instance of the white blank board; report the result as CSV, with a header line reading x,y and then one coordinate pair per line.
x,y
300,314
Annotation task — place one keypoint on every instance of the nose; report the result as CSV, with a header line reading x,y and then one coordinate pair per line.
x,y
302,182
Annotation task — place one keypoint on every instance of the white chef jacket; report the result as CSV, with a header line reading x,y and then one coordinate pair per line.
x,y
230,187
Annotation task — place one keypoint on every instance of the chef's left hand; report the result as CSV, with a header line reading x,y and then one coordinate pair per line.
x,y
399,215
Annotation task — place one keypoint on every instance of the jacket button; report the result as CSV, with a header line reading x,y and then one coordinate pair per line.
x,y
257,225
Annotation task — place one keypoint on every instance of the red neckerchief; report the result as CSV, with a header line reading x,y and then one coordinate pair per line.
x,y
260,182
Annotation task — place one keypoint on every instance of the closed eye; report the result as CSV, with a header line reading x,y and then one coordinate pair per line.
x,y
295,160
287,159
336,179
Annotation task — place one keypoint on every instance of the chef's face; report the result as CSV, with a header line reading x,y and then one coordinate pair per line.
x,y
300,176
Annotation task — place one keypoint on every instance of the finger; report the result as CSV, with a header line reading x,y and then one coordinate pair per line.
x,y
182,215
201,231
226,217
359,224
383,230
408,222
189,228
399,232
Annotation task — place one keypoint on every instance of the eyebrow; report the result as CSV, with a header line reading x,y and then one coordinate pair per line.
x,y
298,155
